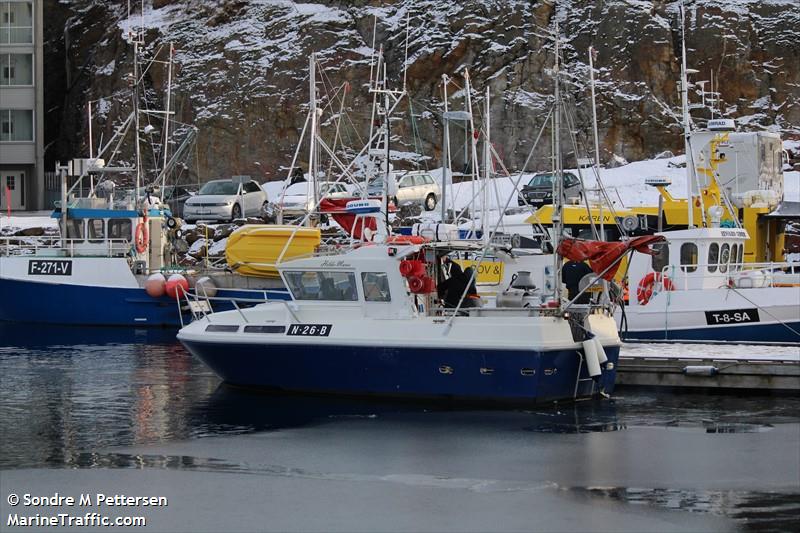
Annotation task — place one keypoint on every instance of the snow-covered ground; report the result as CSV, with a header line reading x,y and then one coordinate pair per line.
x,y
625,185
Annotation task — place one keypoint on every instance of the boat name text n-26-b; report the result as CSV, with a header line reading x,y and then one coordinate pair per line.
x,y
49,267
732,316
310,330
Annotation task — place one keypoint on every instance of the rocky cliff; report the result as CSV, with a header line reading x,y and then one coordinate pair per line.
x,y
242,75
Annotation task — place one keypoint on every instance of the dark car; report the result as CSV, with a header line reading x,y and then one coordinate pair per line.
x,y
175,196
539,190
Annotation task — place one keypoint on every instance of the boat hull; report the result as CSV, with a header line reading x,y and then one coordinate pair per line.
x,y
88,305
761,333
508,376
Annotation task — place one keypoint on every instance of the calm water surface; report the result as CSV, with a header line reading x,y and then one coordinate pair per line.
x,y
110,403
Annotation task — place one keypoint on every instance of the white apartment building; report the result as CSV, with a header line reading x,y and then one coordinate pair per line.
x,y
21,105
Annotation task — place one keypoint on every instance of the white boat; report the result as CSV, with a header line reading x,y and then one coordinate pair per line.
x,y
357,325
698,288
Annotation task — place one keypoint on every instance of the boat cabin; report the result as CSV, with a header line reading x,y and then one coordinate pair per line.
x,y
93,231
692,259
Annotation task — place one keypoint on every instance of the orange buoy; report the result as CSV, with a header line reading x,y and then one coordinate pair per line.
x,y
176,286
141,237
644,291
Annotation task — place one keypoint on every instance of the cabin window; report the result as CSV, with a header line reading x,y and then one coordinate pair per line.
x,y
660,258
713,257
689,257
376,286
734,256
119,229
322,286
97,230
75,229
740,259
724,257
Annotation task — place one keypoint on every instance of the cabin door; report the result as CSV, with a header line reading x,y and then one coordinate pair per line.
x,y
12,187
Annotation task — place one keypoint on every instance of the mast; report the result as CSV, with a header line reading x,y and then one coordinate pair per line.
x,y
135,95
557,185
473,155
445,150
165,136
312,152
487,167
592,53
686,123
387,125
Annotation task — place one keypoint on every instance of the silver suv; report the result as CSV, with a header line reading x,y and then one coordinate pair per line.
x,y
411,187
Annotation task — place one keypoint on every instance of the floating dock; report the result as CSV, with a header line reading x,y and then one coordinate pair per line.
x,y
768,372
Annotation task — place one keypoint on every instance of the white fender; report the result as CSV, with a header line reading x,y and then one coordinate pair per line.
x,y
590,354
601,352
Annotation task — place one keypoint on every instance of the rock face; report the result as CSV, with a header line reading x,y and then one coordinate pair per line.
x,y
242,74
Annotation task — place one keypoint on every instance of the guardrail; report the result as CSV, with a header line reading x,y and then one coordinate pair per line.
x,y
58,247
738,275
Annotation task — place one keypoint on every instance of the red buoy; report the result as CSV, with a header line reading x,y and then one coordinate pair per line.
x,y
176,286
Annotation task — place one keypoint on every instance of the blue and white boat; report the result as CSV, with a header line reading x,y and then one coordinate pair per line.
x,y
367,322
698,288
97,275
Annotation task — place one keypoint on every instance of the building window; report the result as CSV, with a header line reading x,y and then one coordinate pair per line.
x,y
16,125
689,257
16,69
11,182
16,22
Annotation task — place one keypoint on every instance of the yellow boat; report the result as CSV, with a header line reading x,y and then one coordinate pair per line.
x,y
719,150
254,250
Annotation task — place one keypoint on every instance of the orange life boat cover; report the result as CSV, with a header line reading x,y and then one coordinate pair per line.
x,y
601,254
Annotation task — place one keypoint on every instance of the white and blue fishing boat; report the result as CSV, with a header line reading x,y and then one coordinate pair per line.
x,y
367,321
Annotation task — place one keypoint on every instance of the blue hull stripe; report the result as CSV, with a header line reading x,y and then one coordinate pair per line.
x,y
50,303
754,333
393,371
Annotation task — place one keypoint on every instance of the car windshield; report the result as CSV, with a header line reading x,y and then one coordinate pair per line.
x,y
220,187
542,180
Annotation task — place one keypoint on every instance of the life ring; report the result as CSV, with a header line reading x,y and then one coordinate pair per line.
x,y
141,237
646,285
406,239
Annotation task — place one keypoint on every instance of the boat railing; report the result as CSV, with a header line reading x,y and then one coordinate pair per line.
x,y
54,246
701,276
200,304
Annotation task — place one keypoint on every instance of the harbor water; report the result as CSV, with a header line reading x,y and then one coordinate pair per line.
x,y
130,412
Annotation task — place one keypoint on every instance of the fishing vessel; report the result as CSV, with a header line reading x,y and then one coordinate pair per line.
x,y
392,315
699,288
115,261
367,322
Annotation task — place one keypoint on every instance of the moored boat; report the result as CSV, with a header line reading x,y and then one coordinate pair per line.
x,y
357,325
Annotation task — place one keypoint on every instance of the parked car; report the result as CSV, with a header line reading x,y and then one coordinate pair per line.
x,y
175,197
414,187
298,199
225,199
539,190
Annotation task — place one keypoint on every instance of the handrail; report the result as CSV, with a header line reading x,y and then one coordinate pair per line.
x,y
66,247
682,279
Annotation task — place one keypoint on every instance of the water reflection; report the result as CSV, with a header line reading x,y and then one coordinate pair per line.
x,y
755,511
